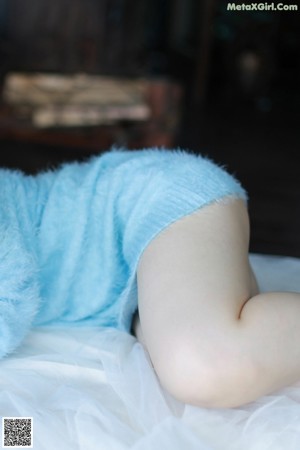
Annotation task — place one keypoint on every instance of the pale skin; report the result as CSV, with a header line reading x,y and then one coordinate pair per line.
x,y
213,340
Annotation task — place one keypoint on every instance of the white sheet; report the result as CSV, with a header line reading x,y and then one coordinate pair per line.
x,y
94,389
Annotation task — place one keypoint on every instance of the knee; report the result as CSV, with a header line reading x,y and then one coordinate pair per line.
x,y
220,379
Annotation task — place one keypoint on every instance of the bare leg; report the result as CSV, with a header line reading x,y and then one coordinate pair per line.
x,y
213,340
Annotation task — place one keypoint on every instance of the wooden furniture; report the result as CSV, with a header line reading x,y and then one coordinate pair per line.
x,y
161,96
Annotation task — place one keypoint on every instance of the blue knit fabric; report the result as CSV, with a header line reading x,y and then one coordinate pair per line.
x,y
71,239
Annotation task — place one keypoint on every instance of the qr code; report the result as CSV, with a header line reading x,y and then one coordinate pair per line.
x,y
17,432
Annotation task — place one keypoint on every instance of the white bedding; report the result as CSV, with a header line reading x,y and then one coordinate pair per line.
x,y
89,388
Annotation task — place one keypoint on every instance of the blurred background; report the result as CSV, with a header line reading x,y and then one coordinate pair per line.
x,y
140,73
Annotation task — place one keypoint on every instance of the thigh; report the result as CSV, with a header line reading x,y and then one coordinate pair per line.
x,y
193,280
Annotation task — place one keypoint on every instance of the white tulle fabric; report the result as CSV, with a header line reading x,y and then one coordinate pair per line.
x,y
91,388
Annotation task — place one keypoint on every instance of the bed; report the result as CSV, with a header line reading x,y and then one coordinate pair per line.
x,y
94,388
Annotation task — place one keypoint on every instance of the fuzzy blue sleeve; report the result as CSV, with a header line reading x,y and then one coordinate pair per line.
x,y
98,217
71,240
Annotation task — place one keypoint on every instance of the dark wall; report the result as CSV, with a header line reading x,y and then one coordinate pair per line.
x,y
249,118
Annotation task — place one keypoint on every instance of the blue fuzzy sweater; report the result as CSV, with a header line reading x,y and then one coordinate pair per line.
x,y
71,239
